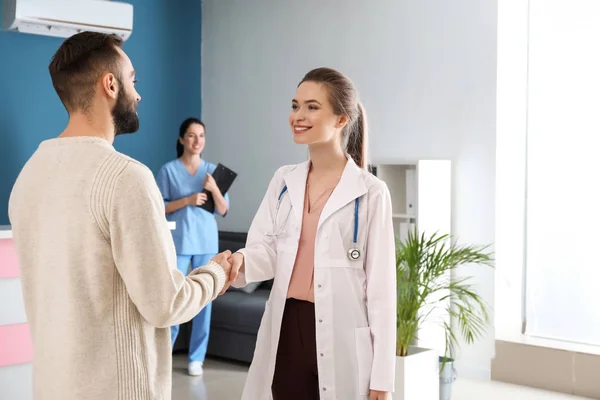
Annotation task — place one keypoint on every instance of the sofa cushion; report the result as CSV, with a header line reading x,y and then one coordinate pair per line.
x,y
267,284
239,311
231,241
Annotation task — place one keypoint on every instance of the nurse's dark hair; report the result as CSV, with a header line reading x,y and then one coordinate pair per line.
x,y
185,125
343,97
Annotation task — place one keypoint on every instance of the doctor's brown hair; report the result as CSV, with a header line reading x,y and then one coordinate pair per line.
x,y
343,97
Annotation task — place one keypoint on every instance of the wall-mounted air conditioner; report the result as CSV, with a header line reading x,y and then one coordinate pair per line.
x,y
64,18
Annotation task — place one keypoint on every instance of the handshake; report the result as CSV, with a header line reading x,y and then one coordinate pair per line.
x,y
231,264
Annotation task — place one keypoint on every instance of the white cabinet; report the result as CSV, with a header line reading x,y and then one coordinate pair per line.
x,y
422,197
401,182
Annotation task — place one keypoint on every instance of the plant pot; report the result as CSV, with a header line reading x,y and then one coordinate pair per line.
x,y
447,376
417,375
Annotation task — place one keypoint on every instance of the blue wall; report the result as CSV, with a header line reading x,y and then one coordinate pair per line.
x,y
165,51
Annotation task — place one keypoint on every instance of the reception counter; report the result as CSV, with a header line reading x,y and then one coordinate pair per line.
x,y
16,351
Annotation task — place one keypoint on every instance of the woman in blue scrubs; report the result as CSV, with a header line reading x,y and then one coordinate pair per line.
x,y
196,237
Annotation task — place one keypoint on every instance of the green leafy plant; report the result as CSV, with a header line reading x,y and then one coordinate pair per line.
x,y
424,266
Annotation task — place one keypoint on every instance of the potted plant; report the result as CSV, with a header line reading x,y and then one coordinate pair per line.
x,y
424,266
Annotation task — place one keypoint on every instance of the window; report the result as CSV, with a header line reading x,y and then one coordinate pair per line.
x,y
562,216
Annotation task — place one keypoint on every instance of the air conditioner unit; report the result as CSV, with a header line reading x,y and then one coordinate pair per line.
x,y
64,18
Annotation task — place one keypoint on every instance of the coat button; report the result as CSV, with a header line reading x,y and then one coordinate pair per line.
x,y
324,389
321,354
320,320
319,286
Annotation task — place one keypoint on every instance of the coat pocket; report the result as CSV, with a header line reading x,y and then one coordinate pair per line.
x,y
364,358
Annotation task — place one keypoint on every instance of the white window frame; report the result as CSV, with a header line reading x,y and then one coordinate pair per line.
x,y
511,180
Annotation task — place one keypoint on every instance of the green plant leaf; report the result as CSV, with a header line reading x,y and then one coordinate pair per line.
x,y
424,266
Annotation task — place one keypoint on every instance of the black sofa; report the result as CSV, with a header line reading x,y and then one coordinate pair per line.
x,y
236,315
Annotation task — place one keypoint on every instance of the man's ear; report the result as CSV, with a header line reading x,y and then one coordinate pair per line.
x,y
110,85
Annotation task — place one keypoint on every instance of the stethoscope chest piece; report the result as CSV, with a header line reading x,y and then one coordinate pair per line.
x,y
353,254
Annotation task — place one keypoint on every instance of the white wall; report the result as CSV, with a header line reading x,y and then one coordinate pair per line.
x,y
426,71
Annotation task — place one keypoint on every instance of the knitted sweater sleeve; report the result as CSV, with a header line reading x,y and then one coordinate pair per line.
x,y
130,211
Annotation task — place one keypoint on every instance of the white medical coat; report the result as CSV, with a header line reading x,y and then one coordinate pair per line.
x,y
355,301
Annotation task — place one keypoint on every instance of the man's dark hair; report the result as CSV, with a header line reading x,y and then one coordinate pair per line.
x,y
79,62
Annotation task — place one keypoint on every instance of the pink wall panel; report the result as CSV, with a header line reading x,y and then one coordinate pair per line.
x,y
15,345
8,259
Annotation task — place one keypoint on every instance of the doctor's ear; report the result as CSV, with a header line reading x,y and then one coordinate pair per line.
x,y
342,121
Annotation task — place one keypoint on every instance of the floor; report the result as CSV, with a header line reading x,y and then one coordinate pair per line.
x,y
225,381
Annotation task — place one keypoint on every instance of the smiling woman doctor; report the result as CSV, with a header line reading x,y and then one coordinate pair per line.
x,y
324,232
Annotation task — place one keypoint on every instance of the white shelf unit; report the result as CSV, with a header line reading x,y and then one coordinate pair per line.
x,y
401,180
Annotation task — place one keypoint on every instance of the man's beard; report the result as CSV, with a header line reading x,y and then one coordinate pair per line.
x,y
125,118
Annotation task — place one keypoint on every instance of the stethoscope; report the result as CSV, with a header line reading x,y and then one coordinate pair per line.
x,y
354,252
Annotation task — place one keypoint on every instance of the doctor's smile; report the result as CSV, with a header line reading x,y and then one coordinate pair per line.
x,y
299,129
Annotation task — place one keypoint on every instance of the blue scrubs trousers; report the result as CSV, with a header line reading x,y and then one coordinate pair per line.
x,y
201,322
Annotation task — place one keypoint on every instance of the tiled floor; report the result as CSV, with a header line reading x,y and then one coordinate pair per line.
x,y
225,381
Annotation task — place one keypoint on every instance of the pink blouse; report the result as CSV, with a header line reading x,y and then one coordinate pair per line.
x,y
301,282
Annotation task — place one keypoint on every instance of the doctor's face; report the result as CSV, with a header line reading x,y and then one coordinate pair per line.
x,y
312,119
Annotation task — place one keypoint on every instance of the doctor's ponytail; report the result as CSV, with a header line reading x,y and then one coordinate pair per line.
x,y
343,97
356,142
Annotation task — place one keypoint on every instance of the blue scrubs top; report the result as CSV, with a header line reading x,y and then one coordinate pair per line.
x,y
196,231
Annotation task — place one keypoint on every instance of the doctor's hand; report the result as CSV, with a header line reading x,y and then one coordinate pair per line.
x,y
237,264
237,261
378,395
197,199
210,184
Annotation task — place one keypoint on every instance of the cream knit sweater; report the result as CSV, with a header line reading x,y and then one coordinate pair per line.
x,y
98,269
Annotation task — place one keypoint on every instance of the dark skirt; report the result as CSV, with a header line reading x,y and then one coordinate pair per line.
x,y
296,376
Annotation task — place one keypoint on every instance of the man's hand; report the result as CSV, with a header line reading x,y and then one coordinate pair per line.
x,y
197,199
237,261
378,395
223,259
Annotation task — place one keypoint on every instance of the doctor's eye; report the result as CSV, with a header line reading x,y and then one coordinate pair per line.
x,y
294,106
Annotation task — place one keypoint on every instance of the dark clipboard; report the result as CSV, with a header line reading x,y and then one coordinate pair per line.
x,y
224,178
